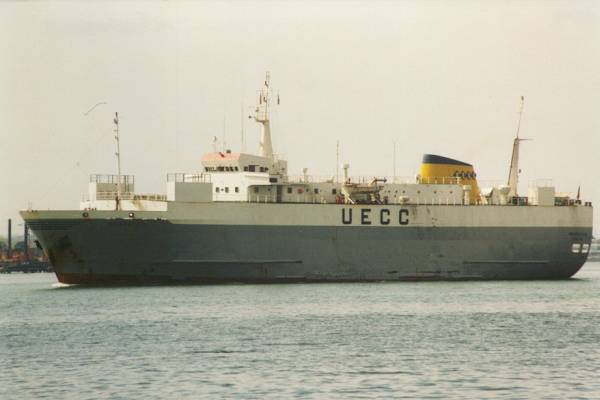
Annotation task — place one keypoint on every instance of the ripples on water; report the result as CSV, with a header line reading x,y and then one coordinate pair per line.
x,y
387,340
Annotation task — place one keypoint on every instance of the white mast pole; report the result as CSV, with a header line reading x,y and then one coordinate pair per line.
x,y
520,115
262,116
513,175
118,154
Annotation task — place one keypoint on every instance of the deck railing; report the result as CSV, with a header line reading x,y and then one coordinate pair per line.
x,y
114,179
131,196
365,179
189,177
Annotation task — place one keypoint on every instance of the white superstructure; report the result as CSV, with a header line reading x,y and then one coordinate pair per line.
x,y
228,176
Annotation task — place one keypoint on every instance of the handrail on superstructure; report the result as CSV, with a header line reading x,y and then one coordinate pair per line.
x,y
443,180
113,179
189,177
131,196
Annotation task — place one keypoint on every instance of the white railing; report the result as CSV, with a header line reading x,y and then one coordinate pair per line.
x,y
150,197
191,177
130,196
108,178
364,179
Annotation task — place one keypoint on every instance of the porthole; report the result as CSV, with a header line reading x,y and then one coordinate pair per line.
x,y
131,215
85,215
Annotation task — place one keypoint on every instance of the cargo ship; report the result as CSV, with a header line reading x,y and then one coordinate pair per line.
x,y
242,218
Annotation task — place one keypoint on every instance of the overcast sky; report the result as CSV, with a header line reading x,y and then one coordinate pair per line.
x,y
432,76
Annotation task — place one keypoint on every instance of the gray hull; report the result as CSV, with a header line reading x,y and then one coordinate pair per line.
x,y
136,251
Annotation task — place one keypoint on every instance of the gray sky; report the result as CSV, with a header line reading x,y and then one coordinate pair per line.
x,y
435,77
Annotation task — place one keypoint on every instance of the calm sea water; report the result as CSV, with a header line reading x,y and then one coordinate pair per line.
x,y
385,340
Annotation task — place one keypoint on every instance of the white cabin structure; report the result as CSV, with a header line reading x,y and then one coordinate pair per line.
x,y
263,178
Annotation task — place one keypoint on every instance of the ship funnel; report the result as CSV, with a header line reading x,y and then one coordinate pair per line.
x,y
443,170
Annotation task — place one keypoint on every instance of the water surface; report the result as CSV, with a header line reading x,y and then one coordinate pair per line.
x,y
373,340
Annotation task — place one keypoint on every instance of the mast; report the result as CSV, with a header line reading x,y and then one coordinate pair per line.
x,y
262,116
118,154
513,174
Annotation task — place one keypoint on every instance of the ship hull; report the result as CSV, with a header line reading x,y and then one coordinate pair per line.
x,y
110,251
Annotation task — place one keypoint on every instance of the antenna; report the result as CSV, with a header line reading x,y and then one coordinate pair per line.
x,y
94,106
520,115
118,154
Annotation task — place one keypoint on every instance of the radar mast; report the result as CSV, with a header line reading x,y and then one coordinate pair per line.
x,y
261,116
513,174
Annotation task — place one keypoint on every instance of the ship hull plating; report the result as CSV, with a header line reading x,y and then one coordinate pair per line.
x,y
137,251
